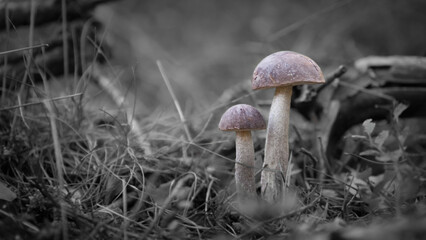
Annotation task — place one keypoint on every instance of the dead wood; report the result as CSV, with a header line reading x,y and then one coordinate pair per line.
x,y
394,69
49,60
380,83
364,105
18,12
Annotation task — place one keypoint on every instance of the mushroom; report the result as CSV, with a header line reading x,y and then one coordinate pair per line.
x,y
242,119
281,70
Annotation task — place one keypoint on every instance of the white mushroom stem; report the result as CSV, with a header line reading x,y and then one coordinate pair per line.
x,y
244,166
276,146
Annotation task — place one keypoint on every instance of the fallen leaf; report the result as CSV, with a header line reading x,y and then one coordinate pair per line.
x,y
390,156
368,126
369,152
6,194
381,138
398,110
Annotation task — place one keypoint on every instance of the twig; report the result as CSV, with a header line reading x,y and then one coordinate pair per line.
x,y
369,160
336,73
368,91
33,12
330,78
309,154
175,100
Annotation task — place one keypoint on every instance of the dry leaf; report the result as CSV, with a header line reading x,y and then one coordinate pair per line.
x,y
6,194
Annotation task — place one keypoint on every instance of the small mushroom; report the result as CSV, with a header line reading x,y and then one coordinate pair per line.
x,y
242,119
281,70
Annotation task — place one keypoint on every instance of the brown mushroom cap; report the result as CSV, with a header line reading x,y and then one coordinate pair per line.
x,y
286,68
241,117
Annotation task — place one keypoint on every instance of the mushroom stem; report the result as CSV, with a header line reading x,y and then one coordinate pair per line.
x,y
276,146
244,171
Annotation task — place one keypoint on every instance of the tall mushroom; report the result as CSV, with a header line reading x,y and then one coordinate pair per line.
x,y
242,119
281,70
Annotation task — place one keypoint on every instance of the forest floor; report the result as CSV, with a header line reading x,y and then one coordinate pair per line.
x,y
102,162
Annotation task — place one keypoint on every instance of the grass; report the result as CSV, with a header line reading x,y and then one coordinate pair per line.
x,y
75,178
67,173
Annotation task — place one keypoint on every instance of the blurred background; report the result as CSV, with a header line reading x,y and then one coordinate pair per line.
x,y
209,46
205,46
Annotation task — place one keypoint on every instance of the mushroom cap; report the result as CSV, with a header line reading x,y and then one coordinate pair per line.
x,y
286,68
241,117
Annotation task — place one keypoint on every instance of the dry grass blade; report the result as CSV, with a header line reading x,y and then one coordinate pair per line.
x,y
64,36
169,199
125,221
24,48
175,100
21,112
59,165
120,100
43,102
5,58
